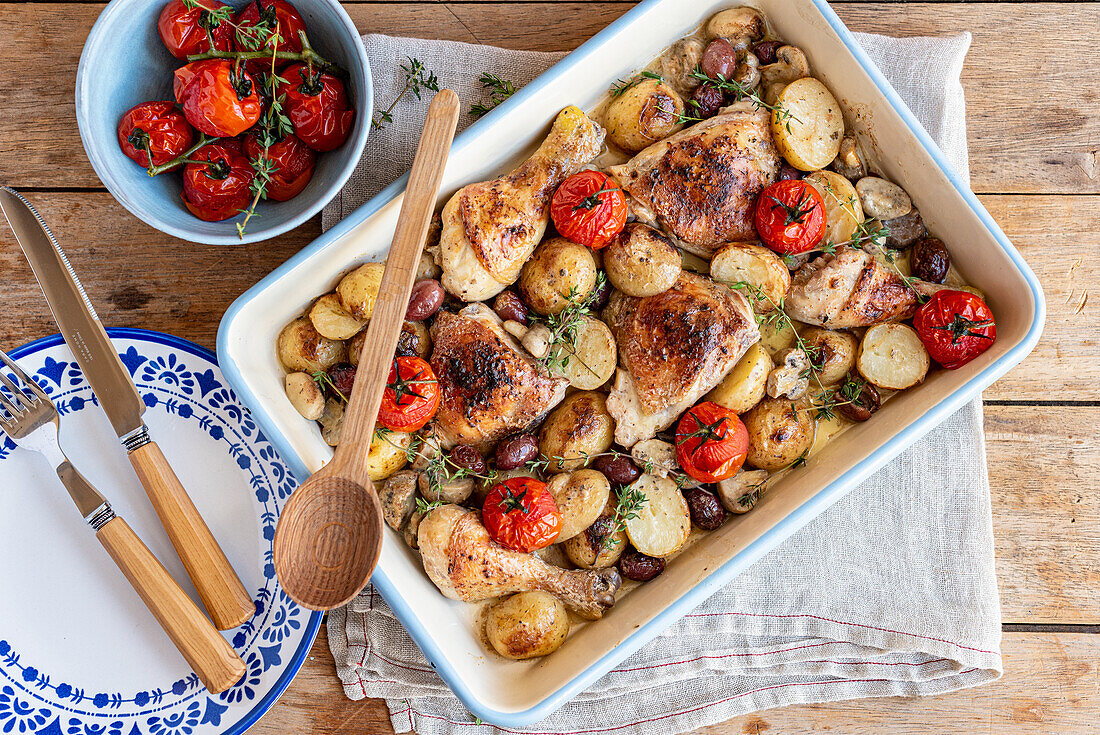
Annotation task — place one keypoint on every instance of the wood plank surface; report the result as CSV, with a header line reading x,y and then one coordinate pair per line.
x,y
1049,687
173,285
1016,144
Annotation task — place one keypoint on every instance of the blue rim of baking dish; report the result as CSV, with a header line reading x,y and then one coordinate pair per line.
x,y
313,624
774,536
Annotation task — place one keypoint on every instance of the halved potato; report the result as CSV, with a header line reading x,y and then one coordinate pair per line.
x,y
580,497
746,383
302,348
332,320
592,363
808,125
754,264
833,353
388,453
359,289
843,212
664,522
892,356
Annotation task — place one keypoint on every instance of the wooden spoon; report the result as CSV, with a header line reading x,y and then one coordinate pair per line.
x,y
330,531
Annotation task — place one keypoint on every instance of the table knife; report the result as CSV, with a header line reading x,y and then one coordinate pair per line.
x,y
219,587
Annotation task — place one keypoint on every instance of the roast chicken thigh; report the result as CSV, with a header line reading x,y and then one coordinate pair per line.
x,y
491,228
700,185
489,386
466,564
673,348
851,289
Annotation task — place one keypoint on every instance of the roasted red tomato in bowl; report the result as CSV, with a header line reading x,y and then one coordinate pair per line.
x,y
520,514
955,327
218,185
411,397
154,130
711,442
187,27
217,97
589,208
292,160
255,22
317,106
790,217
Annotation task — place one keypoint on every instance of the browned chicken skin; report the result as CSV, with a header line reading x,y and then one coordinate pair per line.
x,y
700,185
673,348
851,289
466,564
489,386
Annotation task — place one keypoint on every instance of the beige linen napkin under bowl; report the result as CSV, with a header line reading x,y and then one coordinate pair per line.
x,y
891,591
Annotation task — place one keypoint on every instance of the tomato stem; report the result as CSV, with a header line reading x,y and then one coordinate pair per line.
x,y
184,157
306,56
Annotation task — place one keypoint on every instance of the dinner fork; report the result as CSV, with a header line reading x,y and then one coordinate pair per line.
x,y
30,418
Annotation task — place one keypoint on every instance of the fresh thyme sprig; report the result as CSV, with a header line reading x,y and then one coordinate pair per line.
x,y
274,125
846,393
744,91
423,507
629,502
323,381
565,327
417,77
622,85
499,90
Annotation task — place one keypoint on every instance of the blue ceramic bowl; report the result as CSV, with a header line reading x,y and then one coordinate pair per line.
x,y
124,63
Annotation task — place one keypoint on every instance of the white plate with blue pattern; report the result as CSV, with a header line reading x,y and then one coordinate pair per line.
x,y
79,653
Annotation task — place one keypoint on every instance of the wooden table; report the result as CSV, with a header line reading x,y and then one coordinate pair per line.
x,y
1034,132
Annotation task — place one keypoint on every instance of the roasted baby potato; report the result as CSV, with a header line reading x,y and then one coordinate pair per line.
x,y
398,498
597,547
892,356
305,395
843,211
580,496
527,624
663,522
578,429
557,269
359,289
643,114
302,348
355,347
388,454
743,261
592,362
746,383
641,261
332,320
816,124
780,431
832,353
415,339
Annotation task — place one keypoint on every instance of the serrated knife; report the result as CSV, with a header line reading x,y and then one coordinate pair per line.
x,y
219,587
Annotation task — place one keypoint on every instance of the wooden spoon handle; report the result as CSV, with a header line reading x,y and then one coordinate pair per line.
x,y
397,281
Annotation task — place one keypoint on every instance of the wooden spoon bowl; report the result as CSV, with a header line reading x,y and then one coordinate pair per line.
x,y
329,534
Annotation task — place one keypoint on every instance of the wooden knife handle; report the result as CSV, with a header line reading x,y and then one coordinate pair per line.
x,y
221,590
208,654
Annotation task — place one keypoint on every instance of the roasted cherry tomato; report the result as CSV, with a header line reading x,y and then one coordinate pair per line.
x,y
790,217
155,128
955,327
589,208
317,106
411,397
217,98
293,161
185,30
711,442
269,14
521,514
220,187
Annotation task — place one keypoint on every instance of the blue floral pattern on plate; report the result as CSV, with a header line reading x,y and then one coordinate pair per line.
x,y
180,379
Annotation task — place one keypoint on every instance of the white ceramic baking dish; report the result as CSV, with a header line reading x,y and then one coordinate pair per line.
x,y
519,693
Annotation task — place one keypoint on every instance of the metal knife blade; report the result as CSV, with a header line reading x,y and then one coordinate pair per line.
x,y
75,316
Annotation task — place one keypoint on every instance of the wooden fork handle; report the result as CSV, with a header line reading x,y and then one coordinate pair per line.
x,y
222,592
208,654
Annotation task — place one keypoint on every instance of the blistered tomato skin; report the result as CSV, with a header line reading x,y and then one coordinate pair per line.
x,y
411,397
520,514
711,442
790,217
955,327
589,208
183,30
317,106
294,162
216,98
157,128
218,188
